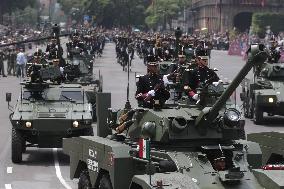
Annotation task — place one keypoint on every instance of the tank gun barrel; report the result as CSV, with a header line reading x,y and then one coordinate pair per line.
x,y
257,55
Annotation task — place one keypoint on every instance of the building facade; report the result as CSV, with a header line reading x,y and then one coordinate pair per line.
x,y
223,15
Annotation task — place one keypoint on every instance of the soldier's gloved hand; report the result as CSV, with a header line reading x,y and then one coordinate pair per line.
x,y
186,87
141,96
195,97
152,93
216,83
166,80
149,95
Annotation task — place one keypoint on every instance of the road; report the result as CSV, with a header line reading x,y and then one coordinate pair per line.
x,y
49,168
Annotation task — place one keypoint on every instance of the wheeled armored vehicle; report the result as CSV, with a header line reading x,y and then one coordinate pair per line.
x,y
264,93
46,112
170,147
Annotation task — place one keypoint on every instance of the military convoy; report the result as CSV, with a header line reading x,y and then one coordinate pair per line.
x,y
171,148
54,103
176,145
264,93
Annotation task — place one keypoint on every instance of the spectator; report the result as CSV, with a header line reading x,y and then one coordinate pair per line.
x,y
21,63
2,57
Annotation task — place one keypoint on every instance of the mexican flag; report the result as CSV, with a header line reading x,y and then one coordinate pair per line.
x,y
144,149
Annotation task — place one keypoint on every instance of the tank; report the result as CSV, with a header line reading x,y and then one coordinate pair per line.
x,y
263,93
181,147
47,112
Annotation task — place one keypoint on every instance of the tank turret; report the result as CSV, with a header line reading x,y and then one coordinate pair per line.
x,y
188,124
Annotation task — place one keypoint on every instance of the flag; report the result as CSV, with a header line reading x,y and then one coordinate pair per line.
x,y
144,149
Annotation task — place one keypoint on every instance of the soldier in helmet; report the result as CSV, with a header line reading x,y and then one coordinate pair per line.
x,y
151,87
275,53
54,48
75,43
35,64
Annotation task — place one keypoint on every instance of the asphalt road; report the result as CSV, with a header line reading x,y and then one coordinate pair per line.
x,y
49,168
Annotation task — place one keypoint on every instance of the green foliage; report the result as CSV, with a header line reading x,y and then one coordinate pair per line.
x,y
127,12
8,6
23,17
261,20
109,12
163,11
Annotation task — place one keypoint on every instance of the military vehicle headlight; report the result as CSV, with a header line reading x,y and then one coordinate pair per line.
x,y
148,130
270,100
28,124
75,124
232,116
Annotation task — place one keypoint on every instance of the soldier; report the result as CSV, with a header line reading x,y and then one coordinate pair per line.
x,y
11,57
177,69
151,87
200,75
275,53
75,43
54,49
2,58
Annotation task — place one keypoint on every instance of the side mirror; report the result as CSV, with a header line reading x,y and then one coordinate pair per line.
x,y
8,97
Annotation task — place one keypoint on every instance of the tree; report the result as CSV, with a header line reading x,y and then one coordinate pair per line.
x,y
110,12
8,6
163,11
261,20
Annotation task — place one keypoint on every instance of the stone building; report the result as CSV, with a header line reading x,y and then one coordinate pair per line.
x,y
222,15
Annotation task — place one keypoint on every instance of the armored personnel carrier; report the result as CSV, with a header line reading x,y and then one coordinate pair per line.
x,y
169,147
47,111
263,93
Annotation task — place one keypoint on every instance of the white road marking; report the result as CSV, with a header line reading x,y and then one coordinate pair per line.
x,y
8,186
58,171
9,170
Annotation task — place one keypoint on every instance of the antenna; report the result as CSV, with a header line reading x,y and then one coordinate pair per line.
x,y
127,104
83,100
21,95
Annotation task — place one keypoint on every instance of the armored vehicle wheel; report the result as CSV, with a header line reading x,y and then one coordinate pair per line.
x,y
105,182
89,132
24,148
84,181
17,146
258,115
